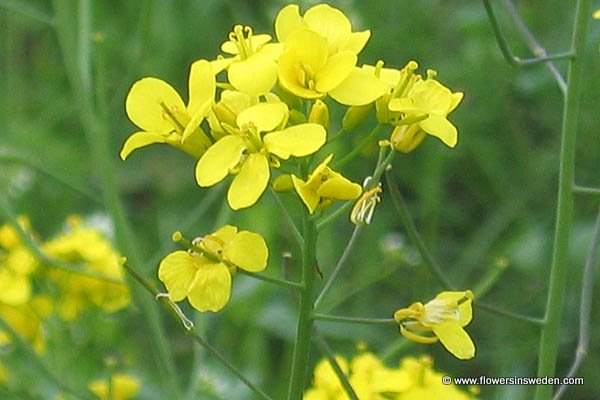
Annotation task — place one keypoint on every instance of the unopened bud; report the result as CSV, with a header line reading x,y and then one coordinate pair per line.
x,y
355,116
283,183
319,114
406,138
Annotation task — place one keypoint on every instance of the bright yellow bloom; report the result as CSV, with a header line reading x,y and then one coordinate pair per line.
x,y
429,102
16,266
320,54
203,274
253,67
249,154
324,186
596,14
156,107
86,246
120,387
445,316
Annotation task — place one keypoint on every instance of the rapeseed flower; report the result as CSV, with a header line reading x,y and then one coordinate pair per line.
x,y
119,387
248,153
324,186
443,319
203,274
158,110
26,320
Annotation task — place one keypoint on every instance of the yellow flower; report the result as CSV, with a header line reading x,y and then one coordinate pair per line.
x,y
203,274
86,246
120,387
16,266
429,102
596,14
445,316
26,320
156,107
324,186
253,67
249,154
320,54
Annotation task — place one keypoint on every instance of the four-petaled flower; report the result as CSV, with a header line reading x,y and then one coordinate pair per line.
x,y
249,154
445,316
203,274
323,186
155,107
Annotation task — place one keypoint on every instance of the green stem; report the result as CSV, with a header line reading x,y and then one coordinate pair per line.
x,y
288,218
489,279
585,307
413,234
280,282
329,218
73,26
586,190
301,355
358,149
328,353
354,320
551,332
509,314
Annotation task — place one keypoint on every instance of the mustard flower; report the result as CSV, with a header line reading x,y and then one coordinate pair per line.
x,y
596,14
253,67
158,110
444,317
203,275
16,266
249,154
324,186
102,278
26,320
120,387
320,54
429,103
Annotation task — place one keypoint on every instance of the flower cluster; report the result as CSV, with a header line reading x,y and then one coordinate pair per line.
x,y
370,378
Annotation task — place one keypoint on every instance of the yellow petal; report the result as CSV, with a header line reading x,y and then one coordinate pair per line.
x,y
359,88
177,271
308,195
140,139
337,69
264,116
356,41
440,127
14,289
248,251
298,140
143,104
455,339
215,163
211,288
255,75
339,188
287,21
328,22
220,64
226,233
250,183
201,87
291,77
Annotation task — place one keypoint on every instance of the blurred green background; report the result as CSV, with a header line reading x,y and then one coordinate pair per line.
x,y
490,200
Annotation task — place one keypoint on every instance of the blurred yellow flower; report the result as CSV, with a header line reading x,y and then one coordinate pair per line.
x,y
120,387
76,291
445,316
324,186
249,154
16,266
320,54
156,107
203,274
596,14
26,321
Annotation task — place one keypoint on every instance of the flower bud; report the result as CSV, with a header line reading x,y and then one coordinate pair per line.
x,y
283,183
406,138
319,114
355,116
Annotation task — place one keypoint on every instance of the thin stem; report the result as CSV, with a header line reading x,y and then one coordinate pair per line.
x,y
328,353
301,355
329,218
73,27
280,282
551,332
505,48
359,148
413,234
354,320
535,46
509,314
288,218
586,190
339,265
585,307
490,278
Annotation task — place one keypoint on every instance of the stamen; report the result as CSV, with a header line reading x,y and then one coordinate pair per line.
x,y
172,117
